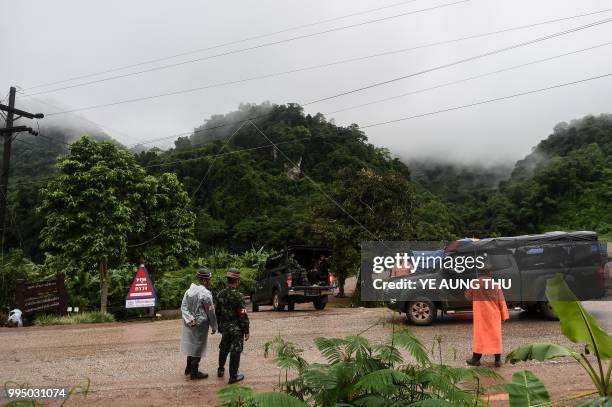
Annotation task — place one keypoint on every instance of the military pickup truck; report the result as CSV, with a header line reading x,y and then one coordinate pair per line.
x,y
529,261
298,274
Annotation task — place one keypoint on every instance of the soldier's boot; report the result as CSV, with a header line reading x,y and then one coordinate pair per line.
x,y
222,358
188,367
195,373
234,364
475,361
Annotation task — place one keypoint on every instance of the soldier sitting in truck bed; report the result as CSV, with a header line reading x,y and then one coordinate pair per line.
x,y
298,273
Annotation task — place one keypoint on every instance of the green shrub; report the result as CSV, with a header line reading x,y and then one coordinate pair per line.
x,y
84,285
171,286
16,266
360,373
95,317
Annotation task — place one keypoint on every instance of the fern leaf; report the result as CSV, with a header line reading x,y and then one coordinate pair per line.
x,y
274,399
405,339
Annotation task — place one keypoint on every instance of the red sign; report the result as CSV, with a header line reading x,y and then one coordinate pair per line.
x,y
142,293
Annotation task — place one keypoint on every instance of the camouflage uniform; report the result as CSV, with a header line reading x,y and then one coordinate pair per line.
x,y
233,324
297,271
232,319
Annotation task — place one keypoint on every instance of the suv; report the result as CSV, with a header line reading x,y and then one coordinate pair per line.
x,y
297,274
529,261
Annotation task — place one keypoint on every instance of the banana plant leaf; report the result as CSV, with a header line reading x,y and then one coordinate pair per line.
x,y
600,402
576,323
539,351
526,390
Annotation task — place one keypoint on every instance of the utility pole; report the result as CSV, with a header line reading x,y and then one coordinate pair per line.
x,y
7,133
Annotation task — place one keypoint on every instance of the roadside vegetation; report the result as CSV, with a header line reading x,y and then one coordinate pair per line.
x,y
360,373
96,209
94,317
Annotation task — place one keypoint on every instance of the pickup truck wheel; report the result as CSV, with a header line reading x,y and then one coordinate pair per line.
x,y
276,302
422,311
547,311
254,307
318,304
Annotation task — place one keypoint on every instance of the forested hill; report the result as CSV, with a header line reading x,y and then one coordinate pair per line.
x,y
564,184
35,156
247,193
463,187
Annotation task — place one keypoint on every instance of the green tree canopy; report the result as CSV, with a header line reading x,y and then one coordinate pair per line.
x,y
101,203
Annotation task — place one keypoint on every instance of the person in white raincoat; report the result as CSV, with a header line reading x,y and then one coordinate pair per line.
x,y
198,316
15,318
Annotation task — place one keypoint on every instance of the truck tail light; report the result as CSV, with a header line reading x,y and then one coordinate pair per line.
x,y
289,280
330,279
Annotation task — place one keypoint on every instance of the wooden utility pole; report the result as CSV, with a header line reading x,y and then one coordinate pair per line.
x,y
6,159
7,133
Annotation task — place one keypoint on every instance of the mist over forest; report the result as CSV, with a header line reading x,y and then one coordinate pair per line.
x,y
255,198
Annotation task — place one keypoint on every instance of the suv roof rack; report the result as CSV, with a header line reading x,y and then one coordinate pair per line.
x,y
493,243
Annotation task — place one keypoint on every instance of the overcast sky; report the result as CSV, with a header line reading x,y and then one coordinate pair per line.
x,y
50,41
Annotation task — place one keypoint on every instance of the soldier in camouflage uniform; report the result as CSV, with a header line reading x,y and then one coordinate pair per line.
x,y
298,273
233,323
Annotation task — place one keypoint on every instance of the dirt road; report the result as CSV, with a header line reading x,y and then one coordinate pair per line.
x,y
139,363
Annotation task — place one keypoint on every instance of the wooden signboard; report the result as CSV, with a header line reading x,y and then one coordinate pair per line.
x,y
42,296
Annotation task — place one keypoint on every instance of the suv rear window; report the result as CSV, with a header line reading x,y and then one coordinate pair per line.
x,y
586,254
542,257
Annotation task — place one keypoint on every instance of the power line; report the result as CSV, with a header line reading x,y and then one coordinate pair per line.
x,y
470,78
227,140
242,150
482,102
371,103
241,50
516,95
469,59
412,117
150,61
84,119
418,91
312,67
461,61
336,203
54,140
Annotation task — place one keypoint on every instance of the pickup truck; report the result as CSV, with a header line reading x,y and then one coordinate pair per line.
x,y
297,274
528,261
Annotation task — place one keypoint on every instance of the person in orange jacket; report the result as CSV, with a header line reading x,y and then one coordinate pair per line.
x,y
489,311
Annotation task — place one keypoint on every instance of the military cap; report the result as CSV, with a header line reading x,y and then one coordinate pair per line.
x,y
203,273
233,273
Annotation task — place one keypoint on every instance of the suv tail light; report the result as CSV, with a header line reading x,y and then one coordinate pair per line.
x,y
330,279
289,280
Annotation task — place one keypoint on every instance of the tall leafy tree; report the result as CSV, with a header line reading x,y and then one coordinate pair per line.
x,y
167,240
99,203
369,205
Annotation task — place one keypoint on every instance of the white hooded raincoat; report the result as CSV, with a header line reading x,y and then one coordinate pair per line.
x,y
197,306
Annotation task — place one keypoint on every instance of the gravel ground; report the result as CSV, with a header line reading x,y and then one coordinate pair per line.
x,y
139,363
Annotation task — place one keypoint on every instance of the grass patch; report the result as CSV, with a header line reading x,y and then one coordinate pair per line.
x,y
94,317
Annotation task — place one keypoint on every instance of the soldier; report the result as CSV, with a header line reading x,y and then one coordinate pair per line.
x,y
233,326
298,273
198,315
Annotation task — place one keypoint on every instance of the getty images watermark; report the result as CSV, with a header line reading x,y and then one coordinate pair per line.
x,y
443,271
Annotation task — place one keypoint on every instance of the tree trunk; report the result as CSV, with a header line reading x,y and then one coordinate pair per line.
x,y
341,281
103,284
